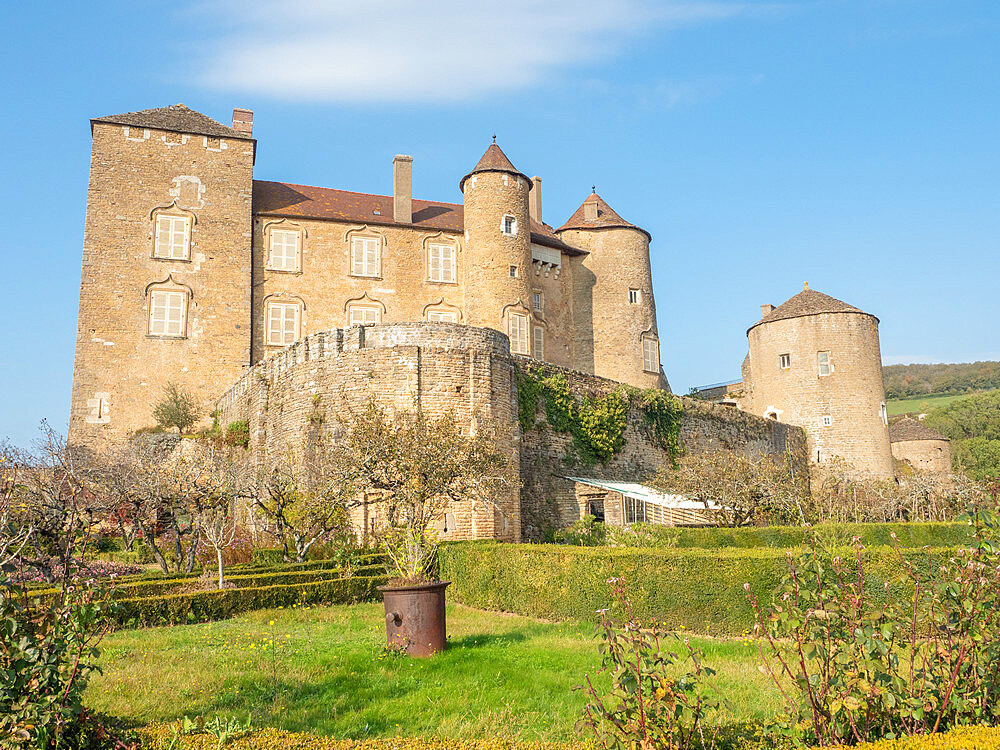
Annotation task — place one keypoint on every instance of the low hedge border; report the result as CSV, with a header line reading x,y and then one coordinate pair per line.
x,y
205,606
695,589
910,535
960,738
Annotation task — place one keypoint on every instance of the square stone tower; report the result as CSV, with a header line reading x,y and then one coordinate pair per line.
x,y
166,278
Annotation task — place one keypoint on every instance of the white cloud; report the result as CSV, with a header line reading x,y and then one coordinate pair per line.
x,y
438,51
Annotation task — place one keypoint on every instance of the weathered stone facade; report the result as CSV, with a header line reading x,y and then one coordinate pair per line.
x,y
922,448
262,264
294,395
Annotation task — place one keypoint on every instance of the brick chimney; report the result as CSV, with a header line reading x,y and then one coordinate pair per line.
x,y
535,199
243,121
402,189
765,309
590,208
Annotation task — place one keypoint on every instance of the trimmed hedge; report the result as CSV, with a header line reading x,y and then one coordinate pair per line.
x,y
204,606
700,590
158,736
960,738
910,535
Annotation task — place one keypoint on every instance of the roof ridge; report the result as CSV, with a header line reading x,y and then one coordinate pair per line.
x,y
355,192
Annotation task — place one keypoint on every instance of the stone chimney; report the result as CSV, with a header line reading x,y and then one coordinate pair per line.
x,y
765,309
535,199
402,189
243,121
590,208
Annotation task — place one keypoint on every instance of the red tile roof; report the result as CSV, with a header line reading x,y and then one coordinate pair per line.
x,y
307,202
808,302
494,160
607,218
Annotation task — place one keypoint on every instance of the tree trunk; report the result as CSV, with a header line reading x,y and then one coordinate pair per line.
x,y
218,557
150,539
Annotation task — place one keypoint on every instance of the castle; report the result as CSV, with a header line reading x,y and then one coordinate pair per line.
x,y
193,271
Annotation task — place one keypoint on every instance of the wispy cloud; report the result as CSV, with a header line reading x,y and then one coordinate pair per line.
x,y
440,51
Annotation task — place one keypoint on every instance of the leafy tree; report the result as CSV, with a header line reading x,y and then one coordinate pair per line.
x,y
978,456
739,489
975,416
178,408
903,381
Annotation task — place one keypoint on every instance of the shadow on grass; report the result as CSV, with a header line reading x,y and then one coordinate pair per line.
x,y
492,639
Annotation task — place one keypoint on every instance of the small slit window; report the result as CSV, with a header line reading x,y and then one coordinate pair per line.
x,y
366,257
633,296
650,354
536,300
167,313
441,263
827,420
284,251
364,315
173,238
519,333
785,361
823,363
538,334
508,225
283,323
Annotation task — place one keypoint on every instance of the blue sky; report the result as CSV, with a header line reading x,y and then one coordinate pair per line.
x,y
849,143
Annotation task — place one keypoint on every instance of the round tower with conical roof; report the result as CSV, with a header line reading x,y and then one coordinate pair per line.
x,y
815,362
613,296
497,256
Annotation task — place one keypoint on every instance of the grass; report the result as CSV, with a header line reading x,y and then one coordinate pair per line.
x,y
922,404
325,670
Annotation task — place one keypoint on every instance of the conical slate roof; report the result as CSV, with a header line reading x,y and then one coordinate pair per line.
x,y
494,160
911,429
607,217
808,302
176,118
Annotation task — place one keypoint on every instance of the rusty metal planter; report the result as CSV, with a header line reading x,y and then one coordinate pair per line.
x,y
415,618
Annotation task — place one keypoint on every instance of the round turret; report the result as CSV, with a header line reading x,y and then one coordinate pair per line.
x,y
919,446
613,294
815,362
497,263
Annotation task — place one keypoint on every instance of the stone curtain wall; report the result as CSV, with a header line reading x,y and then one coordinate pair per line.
x,y
548,501
292,398
924,455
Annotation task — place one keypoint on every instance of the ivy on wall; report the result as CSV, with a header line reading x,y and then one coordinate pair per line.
x,y
597,423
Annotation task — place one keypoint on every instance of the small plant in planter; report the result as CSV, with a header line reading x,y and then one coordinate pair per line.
x,y
414,467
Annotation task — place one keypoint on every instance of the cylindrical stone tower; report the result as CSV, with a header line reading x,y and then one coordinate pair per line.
x,y
613,295
815,362
497,256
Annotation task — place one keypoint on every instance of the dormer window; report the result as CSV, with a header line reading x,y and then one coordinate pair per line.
x,y
508,225
173,237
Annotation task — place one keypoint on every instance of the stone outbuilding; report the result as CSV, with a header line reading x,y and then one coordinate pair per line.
x,y
919,446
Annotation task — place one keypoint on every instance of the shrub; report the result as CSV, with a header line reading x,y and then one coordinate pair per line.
x,y
698,589
854,669
177,408
238,433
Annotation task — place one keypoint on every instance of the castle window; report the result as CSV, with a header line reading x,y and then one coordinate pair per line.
x,y
442,316
823,363
167,313
539,340
884,413
441,263
364,315
284,252
633,296
650,354
827,420
536,301
282,323
508,225
366,256
173,237
519,333
785,361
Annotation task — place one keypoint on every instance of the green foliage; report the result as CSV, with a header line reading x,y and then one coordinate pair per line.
x,y
597,422
697,589
47,654
910,535
979,457
902,381
178,408
975,416
649,704
861,669
238,433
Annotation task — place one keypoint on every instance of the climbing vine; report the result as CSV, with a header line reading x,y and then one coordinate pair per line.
x,y
597,423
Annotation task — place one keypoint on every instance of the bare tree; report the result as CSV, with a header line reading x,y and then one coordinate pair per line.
x,y
15,527
739,489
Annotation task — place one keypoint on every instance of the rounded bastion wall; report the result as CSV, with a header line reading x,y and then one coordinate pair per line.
x,y
299,396
841,412
933,456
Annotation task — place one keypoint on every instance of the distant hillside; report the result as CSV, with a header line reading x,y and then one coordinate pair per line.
x,y
908,381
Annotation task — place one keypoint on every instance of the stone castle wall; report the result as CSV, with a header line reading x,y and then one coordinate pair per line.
x,y
924,455
290,398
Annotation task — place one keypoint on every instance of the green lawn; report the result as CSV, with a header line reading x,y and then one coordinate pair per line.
x,y
922,404
501,675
